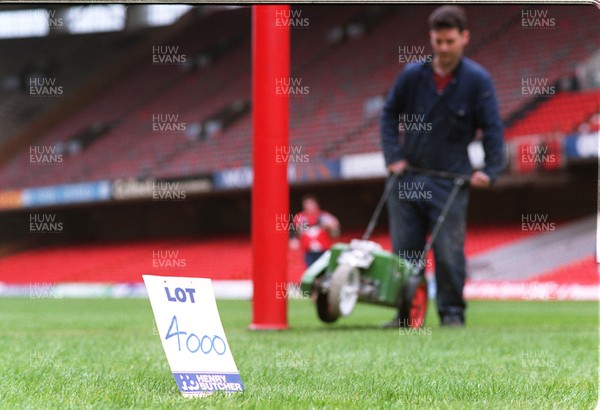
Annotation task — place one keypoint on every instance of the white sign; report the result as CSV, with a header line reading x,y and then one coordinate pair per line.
x,y
192,335
368,165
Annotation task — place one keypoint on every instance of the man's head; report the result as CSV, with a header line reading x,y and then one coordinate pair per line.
x,y
310,203
448,35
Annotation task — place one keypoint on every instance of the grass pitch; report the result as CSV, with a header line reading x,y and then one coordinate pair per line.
x,y
100,353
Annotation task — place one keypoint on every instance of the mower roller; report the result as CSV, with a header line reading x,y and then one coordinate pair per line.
x,y
362,271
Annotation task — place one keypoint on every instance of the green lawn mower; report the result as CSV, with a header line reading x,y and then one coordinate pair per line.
x,y
362,271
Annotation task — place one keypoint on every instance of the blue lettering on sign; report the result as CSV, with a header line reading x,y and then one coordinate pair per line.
x,y
180,294
206,344
190,383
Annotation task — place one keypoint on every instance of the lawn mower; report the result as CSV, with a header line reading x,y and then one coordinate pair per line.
x,y
362,271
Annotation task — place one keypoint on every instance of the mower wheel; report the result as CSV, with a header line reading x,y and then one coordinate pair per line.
x,y
323,310
343,291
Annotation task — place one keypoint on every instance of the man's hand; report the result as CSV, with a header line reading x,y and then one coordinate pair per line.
x,y
331,223
398,167
294,244
480,180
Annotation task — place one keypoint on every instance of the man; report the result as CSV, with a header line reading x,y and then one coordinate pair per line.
x,y
315,228
438,105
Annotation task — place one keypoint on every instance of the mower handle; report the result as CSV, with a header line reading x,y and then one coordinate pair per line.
x,y
439,174
459,180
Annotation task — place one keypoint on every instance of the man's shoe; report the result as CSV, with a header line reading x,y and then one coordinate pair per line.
x,y
453,321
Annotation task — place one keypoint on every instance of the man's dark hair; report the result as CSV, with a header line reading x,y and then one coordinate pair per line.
x,y
448,17
310,196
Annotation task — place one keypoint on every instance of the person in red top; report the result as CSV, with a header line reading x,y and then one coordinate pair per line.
x,y
313,230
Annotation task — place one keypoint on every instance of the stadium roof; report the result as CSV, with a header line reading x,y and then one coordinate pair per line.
x,y
38,20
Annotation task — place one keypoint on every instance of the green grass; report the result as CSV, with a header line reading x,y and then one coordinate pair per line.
x,y
99,353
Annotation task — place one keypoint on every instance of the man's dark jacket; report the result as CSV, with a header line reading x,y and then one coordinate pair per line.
x,y
438,127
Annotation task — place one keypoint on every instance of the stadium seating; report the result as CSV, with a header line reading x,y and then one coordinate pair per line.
x,y
125,262
586,273
83,55
562,114
328,122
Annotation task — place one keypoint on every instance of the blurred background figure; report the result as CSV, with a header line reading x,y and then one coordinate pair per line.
x,y
313,229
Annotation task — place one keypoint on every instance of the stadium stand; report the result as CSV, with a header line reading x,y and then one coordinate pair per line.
x,y
193,118
123,262
586,268
87,55
328,121
562,114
